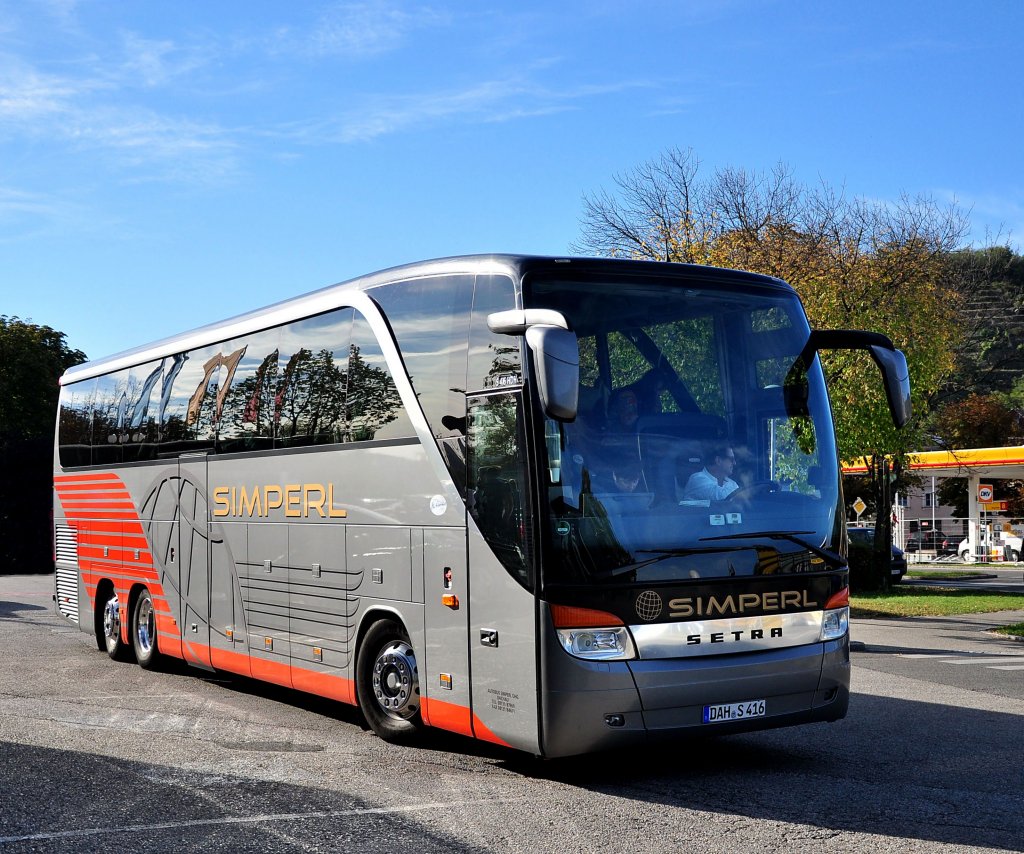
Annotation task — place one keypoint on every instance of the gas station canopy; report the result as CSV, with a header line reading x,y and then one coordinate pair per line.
x,y
978,465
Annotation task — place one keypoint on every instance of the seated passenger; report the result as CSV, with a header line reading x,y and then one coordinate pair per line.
x,y
714,482
623,411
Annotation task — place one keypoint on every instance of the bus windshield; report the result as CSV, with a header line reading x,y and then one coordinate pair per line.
x,y
702,448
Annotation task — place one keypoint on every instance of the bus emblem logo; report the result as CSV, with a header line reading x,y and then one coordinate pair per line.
x,y
648,605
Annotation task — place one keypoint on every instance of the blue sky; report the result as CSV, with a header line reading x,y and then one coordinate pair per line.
x,y
164,165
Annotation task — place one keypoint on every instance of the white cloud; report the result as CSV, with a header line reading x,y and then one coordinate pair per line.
x,y
360,30
490,101
158,62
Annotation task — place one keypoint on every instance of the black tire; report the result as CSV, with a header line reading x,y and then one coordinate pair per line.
x,y
144,642
387,682
1012,555
108,626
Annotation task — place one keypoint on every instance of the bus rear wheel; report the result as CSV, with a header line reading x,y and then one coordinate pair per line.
x,y
109,624
144,630
387,682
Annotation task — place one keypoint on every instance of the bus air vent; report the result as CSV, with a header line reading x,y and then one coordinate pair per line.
x,y
67,571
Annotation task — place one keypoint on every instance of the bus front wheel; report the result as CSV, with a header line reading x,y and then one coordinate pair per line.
x,y
387,682
144,630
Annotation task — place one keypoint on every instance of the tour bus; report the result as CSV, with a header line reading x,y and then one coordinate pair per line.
x,y
467,494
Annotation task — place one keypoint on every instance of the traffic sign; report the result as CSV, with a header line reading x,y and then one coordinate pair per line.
x,y
859,506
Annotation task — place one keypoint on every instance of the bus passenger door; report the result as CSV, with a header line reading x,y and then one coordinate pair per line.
x,y
194,558
503,627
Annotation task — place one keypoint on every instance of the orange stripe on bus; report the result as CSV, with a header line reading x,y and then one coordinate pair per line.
x,y
324,685
447,716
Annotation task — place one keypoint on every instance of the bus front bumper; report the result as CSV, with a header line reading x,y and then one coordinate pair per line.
x,y
606,705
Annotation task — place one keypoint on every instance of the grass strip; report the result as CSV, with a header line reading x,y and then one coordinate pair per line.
x,y
932,602
944,574
1016,630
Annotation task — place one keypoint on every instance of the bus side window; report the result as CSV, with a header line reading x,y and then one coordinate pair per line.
x,y
108,419
498,497
142,419
430,319
495,361
312,385
247,422
374,406
75,431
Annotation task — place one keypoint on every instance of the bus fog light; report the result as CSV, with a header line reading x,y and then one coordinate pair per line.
x,y
601,644
835,624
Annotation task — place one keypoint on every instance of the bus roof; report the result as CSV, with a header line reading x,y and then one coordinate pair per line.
x,y
333,296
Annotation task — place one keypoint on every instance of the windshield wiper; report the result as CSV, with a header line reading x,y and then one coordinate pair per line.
x,y
662,554
828,555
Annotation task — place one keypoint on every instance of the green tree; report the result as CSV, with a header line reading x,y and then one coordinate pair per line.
x,y
32,360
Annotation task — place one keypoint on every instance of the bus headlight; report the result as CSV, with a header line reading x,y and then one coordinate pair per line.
x,y
836,624
592,635
836,621
598,644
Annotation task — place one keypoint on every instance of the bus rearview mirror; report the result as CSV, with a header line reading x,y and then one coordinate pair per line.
x,y
556,359
891,362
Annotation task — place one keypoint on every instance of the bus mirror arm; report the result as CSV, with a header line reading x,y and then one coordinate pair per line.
x,y
556,355
891,362
516,321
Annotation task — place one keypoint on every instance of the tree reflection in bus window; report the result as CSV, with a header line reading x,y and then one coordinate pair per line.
x,y
75,430
374,406
498,496
248,421
142,417
313,382
108,418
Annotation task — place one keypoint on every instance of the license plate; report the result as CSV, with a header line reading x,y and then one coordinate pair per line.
x,y
734,711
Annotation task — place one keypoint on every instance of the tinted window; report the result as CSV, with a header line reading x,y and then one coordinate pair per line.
x,y
498,496
313,383
108,418
430,319
196,397
248,418
75,430
142,416
374,407
494,360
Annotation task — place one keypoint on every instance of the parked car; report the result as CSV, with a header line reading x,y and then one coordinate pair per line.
x,y
898,562
931,541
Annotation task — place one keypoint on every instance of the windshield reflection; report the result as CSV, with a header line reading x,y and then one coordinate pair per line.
x,y
688,454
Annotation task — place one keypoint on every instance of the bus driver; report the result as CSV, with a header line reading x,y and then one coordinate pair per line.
x,y
714,482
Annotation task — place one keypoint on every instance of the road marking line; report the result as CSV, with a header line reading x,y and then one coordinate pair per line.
x,y
228,820
1006,667
999,659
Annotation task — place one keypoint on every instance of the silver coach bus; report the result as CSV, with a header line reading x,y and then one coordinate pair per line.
x,y
556,504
